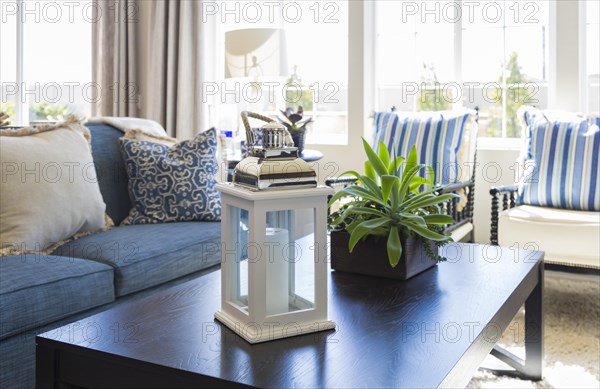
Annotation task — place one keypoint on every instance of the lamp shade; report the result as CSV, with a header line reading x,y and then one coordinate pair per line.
x,y
255,52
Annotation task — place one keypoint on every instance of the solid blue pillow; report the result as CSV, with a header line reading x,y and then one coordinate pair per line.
x,y
172,184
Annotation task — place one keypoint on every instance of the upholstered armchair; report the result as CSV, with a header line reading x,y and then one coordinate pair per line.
x,y
555,207
445,140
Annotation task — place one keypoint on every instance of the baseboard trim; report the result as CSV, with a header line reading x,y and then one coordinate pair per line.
x,y
570,268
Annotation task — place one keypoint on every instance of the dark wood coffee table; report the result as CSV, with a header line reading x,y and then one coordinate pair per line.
x,y
433,330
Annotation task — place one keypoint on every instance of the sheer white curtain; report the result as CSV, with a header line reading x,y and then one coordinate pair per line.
x,y
162,52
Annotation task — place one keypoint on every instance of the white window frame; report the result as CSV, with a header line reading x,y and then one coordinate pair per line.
x,y
584,87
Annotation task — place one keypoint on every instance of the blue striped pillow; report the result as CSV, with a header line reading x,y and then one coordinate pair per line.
x,y
437,136
562,162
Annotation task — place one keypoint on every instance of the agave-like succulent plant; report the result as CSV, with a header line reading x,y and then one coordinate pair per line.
x,y
388,201
294,121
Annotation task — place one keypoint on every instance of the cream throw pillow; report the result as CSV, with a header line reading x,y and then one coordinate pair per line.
x,y
49,189
466,153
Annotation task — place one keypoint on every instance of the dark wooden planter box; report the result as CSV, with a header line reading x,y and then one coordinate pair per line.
x,y
369,257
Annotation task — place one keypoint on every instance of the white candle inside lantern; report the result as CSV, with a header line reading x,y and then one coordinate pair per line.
x,y
278,283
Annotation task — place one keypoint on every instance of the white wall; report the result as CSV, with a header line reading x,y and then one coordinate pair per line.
x,y
564,56
496,166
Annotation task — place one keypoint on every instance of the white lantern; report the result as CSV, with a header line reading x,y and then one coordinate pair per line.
x,y
273,262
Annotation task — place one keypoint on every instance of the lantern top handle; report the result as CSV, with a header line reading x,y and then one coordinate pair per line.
x,y
272,126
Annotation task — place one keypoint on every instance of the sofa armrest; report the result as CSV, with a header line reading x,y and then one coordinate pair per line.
x,y
509,197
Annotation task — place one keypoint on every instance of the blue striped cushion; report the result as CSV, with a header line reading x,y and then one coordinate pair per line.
x,y
437,136
562,162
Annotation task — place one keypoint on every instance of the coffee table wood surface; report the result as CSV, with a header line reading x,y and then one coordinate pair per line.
x,y
433,330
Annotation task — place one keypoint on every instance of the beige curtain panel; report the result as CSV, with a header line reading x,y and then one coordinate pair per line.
x,y
114,65
156,49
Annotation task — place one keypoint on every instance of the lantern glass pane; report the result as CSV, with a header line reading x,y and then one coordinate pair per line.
x,y
289,243
236,247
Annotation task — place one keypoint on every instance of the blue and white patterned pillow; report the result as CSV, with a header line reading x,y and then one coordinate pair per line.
x,y
561,161
172,184
437,135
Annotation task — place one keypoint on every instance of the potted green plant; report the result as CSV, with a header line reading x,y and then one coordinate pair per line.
x,y
393,213
295,122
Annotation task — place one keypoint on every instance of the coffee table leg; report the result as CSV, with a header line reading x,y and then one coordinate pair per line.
x,y
44,367
531,367
534,330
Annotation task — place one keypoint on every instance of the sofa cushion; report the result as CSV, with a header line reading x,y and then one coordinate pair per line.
x,y
172,184
565,235
561,161
149,254
437,135
49,189
36,289
110,169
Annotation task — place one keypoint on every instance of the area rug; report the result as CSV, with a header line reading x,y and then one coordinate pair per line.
x,y
571,338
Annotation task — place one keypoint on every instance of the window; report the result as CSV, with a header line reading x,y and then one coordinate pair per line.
x,y
318,53
443,54
46,68
317,57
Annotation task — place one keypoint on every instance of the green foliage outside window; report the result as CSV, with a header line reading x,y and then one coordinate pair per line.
x,y
38,111
8,108
297,94
431,97
516,96
518,92
45,111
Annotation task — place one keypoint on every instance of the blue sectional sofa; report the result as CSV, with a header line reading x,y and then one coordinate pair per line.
x,y
39,292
